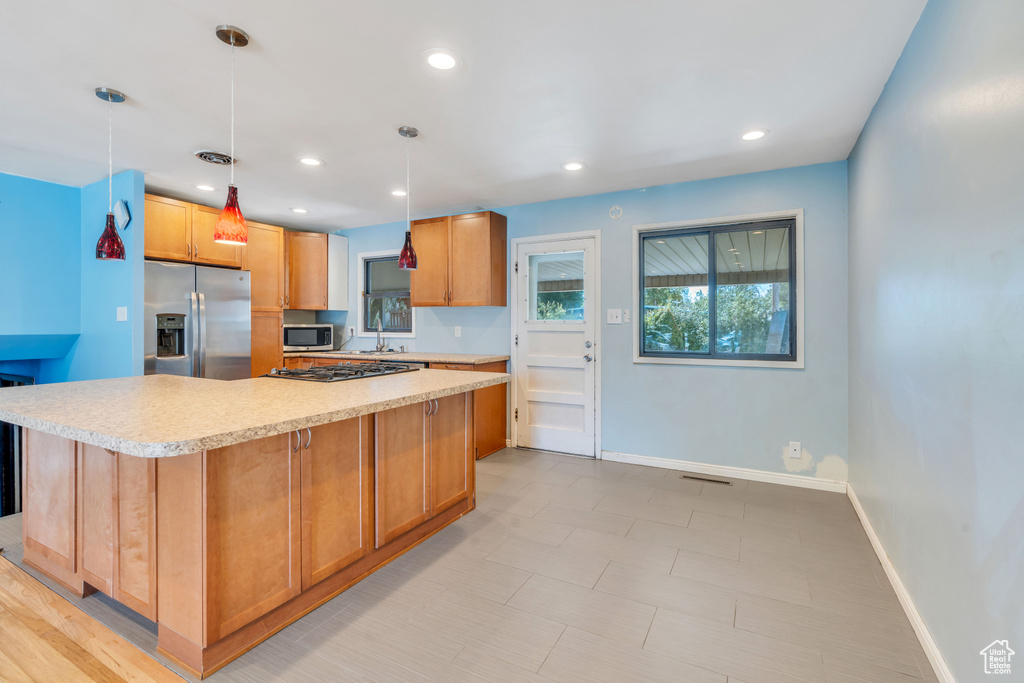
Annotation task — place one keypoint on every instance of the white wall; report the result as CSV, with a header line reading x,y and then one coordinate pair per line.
x,y
936,325
741,417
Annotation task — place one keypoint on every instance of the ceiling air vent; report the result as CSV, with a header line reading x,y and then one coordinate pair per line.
x,y
212,157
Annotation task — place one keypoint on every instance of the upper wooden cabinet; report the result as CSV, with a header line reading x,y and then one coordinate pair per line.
x,y
264,259
461,260
307,271
180,231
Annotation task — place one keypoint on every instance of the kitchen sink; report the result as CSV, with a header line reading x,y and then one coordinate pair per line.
x,y
373,353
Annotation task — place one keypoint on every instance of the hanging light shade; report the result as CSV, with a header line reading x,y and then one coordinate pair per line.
x,y
231,227
407,259
110,246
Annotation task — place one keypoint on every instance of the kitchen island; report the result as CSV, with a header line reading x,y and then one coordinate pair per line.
x,y
223,511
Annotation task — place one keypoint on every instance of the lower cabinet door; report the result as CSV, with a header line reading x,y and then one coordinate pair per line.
x,y
402,471
337,496
252,532
451,451
267,350
135,579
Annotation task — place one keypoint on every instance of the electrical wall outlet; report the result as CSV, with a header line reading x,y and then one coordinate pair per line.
x,y
458,330
351,332
614,316
122,314
794,449
625,315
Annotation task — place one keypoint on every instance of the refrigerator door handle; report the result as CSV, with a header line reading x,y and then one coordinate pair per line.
x,y
202,335
193,338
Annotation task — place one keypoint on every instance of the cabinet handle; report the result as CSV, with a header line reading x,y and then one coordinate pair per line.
x,y
325,301
281,299
286,299
298,442
309,437
196,250
188,249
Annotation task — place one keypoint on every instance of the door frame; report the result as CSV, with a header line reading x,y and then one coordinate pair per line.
x,y
598,352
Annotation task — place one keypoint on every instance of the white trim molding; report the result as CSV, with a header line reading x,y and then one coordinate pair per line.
x,y
798,216
728,471
938,663
361,265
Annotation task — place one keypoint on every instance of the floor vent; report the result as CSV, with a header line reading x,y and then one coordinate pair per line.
x,y
710,481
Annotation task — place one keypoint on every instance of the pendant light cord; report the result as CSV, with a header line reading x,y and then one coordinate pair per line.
x,y
110,154
408,221
232,109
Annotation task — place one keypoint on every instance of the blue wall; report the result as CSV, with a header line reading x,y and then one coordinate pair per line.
x,y
686,412
55,289
936,324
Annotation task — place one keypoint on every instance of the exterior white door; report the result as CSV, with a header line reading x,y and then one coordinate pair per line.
x,y
556,350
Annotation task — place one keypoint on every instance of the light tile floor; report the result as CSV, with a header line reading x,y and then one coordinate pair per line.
x,y
581,570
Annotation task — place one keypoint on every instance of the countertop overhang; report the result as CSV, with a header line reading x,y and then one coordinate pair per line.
x,y
154,416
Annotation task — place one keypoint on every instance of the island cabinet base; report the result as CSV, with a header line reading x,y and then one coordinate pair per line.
x,y
225,547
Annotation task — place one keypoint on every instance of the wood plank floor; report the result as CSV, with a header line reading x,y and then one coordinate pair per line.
x,y
45,638
580,570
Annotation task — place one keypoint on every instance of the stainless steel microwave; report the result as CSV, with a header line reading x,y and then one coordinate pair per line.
x,y
309,337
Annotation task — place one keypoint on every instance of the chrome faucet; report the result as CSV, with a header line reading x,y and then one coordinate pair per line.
x,y
381,343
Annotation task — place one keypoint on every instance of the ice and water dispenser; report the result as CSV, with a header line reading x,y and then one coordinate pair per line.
x,y
170,335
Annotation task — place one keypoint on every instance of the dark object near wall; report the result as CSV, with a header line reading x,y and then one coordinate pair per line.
x,y
10,455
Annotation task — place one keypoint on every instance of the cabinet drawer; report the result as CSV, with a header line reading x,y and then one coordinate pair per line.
x,y
451,366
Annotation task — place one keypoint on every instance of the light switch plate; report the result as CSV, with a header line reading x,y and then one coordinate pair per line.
x,y
122,314
794,449
614,316
458,330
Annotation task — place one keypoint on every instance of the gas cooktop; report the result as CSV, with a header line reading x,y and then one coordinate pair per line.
x,y
341,371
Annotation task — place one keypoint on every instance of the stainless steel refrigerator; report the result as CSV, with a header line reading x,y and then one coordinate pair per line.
x,y
197,321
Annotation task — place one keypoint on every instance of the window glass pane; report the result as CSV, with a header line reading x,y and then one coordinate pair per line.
x,y
556,286
676,312
395,313
752,291
384,275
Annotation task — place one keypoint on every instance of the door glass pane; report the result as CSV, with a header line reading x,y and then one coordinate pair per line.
x,y
556,286
676,312
752,302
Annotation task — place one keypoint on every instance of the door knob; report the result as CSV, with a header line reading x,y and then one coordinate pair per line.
x,y
587,344
587,358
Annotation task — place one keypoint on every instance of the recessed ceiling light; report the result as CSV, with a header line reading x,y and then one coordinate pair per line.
x,y
205,188
442,59
755,134
572,166
398,193
312,161
298,210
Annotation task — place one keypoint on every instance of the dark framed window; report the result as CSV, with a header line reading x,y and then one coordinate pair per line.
x,y
386,296
719,292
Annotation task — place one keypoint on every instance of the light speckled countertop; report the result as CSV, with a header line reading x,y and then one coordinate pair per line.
x,y
409,357
157,416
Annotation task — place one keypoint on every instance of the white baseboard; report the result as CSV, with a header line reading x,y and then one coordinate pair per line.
x,y
727,471
942,671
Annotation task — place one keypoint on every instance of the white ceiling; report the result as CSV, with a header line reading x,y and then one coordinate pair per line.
x,y
644,92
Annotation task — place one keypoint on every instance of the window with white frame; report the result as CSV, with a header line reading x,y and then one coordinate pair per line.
x,y
385,296
719,293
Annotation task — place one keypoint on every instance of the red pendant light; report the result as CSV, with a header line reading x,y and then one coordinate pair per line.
x,y
110,247
231,227
407,259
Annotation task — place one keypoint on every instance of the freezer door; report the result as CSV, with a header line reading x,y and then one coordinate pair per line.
x,y
224,329
169,288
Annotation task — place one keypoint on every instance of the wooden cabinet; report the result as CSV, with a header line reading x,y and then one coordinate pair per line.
x,y
450,439
424,462
337,496
267,351
461,260
168,233
402,468
180,231
429,282
297,363
490,412
264,259
306,287
252,540
49,510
